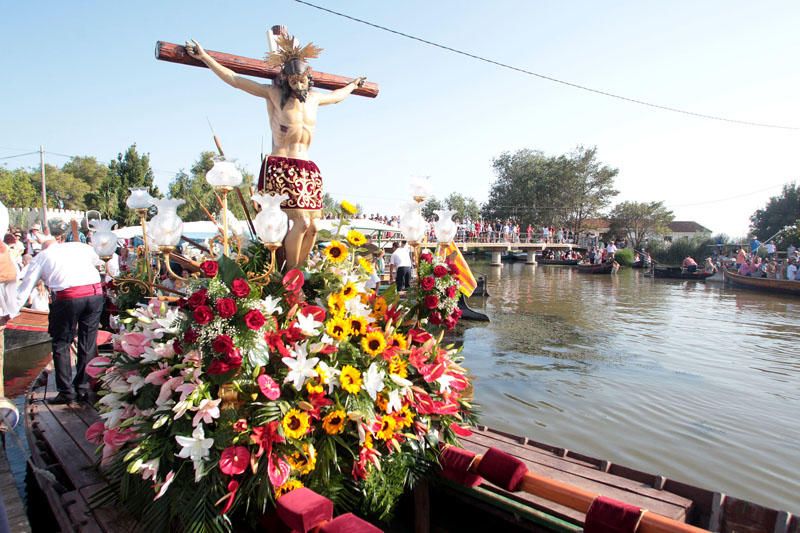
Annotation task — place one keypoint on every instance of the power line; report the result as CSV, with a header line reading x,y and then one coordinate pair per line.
x,y
550,78
19,155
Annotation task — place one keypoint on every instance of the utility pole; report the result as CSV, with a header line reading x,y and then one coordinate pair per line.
x,y
45,227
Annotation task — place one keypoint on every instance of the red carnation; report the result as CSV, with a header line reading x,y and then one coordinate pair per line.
x,y
428,283
431,301
440,271
254,319
203,315
234,460
197,298
218,367
190,336
452,290
222,344
209,268
240,288
436,318
426,257
226,307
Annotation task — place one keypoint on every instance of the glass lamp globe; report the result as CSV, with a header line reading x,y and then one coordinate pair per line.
x,y
420,189
166,227
224,174
445,228
271,223
104,241
139,198
413,225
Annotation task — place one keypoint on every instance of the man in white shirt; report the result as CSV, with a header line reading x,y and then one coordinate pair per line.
x,y
401,261
791,270
70,271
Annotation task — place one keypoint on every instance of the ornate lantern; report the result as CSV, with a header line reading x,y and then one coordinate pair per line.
x,y
445,228
166,227
104,241
224,177
271,223
139,199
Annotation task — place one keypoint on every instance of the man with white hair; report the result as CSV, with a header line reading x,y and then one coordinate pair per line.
x,y
70,271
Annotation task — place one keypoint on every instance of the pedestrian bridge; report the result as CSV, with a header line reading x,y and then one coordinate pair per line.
x,y
497,249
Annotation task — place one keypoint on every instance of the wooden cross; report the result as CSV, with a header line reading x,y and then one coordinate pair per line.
x,y
248,66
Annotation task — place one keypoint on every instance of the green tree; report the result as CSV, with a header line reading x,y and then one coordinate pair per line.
x,y
64,191
465,207
17,189
781,211
637,221
198,193
588,187
431,205
87,169
128,170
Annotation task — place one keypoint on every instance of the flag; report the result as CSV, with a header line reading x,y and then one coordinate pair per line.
x,y
466,281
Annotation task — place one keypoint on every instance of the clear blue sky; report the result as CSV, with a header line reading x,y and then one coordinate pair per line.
x,y
80,78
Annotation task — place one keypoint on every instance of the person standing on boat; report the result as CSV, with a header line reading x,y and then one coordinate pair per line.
x,y
70,271
689,264
8,289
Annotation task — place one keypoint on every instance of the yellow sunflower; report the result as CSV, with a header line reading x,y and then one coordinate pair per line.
x,y
373,343
289,486
350,378
304,463
349,290
333,423
398,366
295,424
356,238
398,341
338,328
381,401
336,304
347,207
366,265
314,386
336,252
379,307
388,425
358,325
406,418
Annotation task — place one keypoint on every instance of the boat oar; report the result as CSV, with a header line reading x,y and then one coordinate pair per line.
x,y
512,474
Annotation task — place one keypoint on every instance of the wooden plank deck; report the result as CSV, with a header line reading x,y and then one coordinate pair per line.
x,y
58,445
558,464
15,509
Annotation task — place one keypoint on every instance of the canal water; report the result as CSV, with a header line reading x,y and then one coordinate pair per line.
x,y
693,381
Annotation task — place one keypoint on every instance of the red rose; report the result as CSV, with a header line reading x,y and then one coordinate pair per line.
x,y
222,344
452,290
453,268
456,313
293,280
234,359
431,301
428,283
190,336
450,322
203,315
440,271
197,298
226,307
254,319
436,318
209,268
218,367
240,288
426,257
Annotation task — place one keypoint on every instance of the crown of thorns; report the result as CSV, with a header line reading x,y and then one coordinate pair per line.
x,y
288,50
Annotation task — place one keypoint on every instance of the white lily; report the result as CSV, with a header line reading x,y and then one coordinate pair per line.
x,y
161,488
207,411
373,381
308,325
169,322
400,381
395,402
269,306
444,382
136,382
330,375
300,366
195,448
149,469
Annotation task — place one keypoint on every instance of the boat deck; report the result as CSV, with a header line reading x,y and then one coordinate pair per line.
x,y
15,509
58,445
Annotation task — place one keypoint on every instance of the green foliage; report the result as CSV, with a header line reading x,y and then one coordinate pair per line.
x,y
780,211
17,189
465,207
675,253
128,170
430,205
537,189
638,221
625,256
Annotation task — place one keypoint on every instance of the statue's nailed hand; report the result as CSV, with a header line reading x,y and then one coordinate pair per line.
x,y
194,49
360,81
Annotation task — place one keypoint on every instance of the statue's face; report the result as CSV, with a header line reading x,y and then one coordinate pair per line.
x,y
298,83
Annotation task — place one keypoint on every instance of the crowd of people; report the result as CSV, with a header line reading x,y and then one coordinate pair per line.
x,y
763,261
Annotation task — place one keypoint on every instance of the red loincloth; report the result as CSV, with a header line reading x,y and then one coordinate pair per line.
x,y
297,178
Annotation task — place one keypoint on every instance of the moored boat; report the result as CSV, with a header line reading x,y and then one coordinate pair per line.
x,y
679,273
782,286
602,268
27,329
555,262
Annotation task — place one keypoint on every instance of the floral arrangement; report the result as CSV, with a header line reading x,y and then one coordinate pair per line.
x,y
253,387
438,290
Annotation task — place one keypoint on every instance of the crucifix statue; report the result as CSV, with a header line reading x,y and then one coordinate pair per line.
x,y
292,109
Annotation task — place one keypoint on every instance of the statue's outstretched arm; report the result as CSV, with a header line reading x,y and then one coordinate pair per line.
x,y
224,73
334,97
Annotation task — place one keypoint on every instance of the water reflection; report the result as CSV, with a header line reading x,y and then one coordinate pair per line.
x,y
690,380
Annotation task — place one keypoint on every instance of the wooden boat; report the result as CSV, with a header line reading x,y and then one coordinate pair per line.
x,y
640,264
64,468
27,329
782,286
679,273
562,262
602,268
